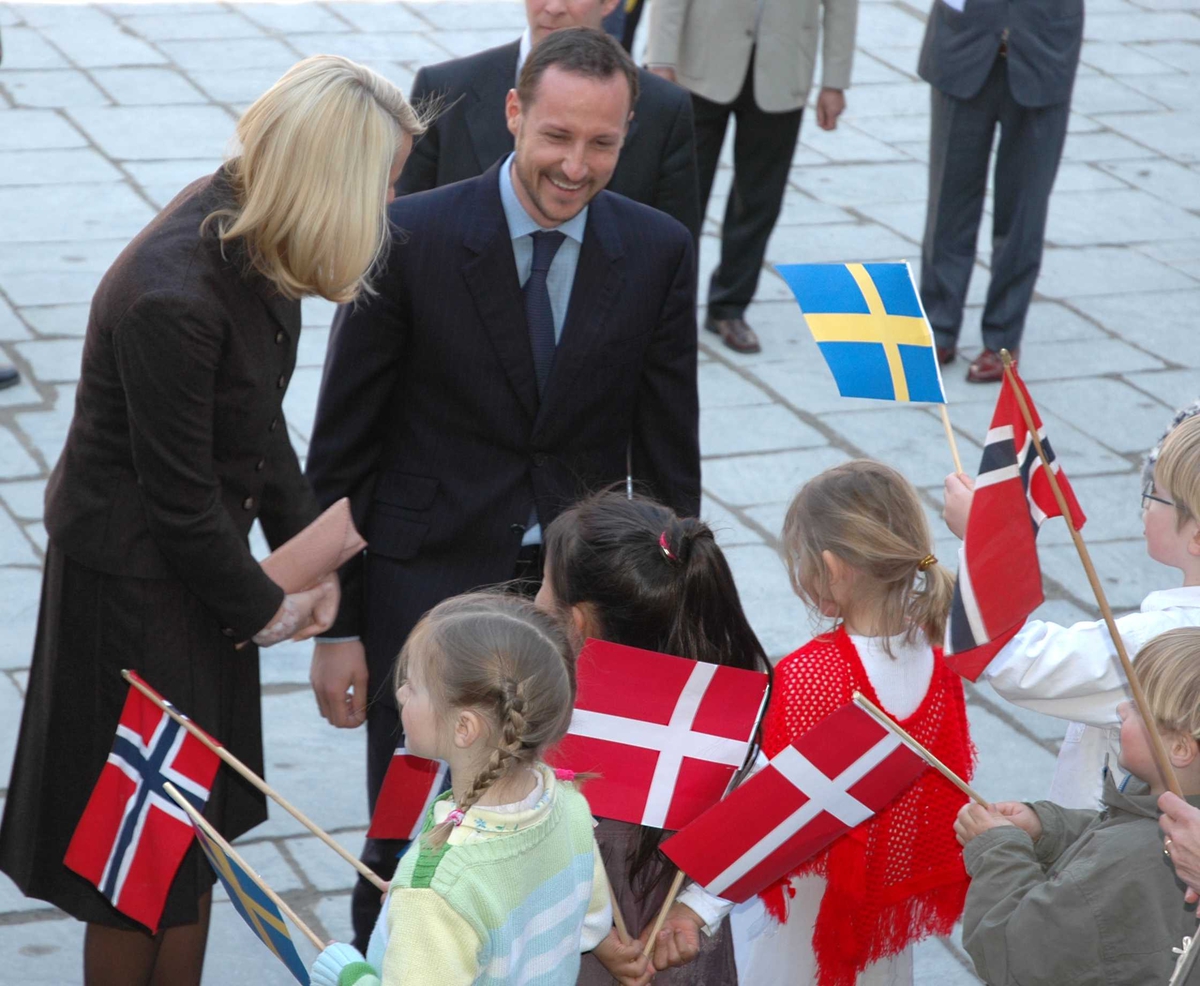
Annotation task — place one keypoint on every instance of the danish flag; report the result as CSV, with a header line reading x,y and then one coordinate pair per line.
x,y
132,836
410,786
999,579
665,734
833,778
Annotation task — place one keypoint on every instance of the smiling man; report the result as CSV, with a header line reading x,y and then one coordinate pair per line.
x,y
532,338
658,161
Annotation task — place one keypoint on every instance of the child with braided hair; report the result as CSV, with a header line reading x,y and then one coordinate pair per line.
x,y
504,884
857,547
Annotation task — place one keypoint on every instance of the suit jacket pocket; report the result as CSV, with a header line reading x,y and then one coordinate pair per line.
x,y
392,534
400,489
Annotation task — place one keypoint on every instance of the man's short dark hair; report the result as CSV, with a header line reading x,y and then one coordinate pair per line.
x,y
581,50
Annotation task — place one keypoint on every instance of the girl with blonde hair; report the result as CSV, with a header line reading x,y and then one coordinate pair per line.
x,y
858,551
178,444
505,884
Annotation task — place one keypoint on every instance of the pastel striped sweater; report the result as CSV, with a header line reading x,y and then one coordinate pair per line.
x,y
513,898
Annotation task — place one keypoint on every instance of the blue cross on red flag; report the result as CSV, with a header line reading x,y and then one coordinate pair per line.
x,y
868,322
132,837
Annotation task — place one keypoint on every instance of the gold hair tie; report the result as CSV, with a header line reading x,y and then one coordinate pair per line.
x,y
925,563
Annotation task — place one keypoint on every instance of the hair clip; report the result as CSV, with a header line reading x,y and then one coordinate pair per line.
x,y
927,562
456,817
666,547
562,774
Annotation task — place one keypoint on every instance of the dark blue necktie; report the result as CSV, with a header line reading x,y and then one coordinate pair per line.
x,y
538,313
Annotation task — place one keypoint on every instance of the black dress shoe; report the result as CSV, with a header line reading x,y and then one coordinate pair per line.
x,y
9,377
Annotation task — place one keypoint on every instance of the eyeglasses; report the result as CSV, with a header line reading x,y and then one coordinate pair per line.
x,y
1147,495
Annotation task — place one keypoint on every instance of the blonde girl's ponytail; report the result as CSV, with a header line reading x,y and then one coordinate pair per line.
x,y
929,606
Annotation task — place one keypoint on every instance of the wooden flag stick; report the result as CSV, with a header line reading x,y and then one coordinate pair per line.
x,y
1161,760
258,782
888,722
950,438
200,822
662,912
618,917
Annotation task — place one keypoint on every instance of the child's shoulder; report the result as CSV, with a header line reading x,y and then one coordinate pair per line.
x,y
822,656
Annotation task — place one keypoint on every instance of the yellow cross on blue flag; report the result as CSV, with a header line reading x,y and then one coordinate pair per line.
x,y
252,903
868,322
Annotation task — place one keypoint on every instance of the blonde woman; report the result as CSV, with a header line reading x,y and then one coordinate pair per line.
x,y
177,446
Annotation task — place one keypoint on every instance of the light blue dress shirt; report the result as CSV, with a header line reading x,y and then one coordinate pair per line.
x,y
559,279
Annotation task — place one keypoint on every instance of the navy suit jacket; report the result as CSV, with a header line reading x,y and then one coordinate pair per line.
x,y
429,417
1044,41
658,161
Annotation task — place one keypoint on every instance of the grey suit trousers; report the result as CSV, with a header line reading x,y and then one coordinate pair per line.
x,y
960,145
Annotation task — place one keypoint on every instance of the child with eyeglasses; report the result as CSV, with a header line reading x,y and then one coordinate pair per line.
x,y
1073,672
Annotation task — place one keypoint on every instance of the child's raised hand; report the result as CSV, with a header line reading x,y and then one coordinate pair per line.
x,y
678,941
974,820
958,490
1021,815
625,963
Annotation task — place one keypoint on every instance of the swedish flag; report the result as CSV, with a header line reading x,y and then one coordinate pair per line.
x,y
868,322
253,904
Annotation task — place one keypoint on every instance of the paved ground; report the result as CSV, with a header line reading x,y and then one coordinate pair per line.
x,y
106,110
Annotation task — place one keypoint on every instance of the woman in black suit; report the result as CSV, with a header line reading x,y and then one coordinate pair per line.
x,y
177,445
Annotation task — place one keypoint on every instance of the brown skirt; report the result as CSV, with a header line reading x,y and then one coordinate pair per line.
x,y
90,626
714,966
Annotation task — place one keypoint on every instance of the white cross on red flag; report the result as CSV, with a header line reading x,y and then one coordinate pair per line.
x,y
834,777
665,734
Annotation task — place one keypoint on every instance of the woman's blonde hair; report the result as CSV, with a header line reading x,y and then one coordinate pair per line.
x,y
1178,470
503,657
311,180
1168,667
868,515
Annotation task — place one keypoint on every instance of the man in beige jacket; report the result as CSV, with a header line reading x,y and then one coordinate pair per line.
x,y
753,59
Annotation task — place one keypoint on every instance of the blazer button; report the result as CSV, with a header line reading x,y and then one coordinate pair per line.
x,y
517,528
279,338
539,459
273,425
282,382
228,631
260,465
248,503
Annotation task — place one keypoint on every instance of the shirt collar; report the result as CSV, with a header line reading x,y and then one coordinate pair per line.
x,y
520,223
523,53
1186,596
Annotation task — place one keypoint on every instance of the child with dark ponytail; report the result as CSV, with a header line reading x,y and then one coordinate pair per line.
x,y
631,572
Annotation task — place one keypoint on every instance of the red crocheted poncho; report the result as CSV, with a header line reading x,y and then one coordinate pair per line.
x,y
898,877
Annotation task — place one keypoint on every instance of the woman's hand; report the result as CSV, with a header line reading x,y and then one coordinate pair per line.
x,y
679,940
297,614
974,820
959,490
1180,823
1021,815
625,963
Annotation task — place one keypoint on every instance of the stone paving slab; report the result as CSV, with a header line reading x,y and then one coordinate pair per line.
x,y
107,110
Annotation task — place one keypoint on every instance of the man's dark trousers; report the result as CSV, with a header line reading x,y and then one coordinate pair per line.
x,y
1031,144
762,157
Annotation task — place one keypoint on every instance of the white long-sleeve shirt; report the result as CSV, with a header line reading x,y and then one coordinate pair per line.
x,y
1074,673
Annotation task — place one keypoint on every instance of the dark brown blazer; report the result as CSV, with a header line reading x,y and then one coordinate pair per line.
x,y
179,442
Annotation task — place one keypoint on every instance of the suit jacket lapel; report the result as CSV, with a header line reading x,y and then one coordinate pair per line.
x,y
485,116
598,280
491,277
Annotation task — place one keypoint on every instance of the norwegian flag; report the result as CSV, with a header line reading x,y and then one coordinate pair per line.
x,y
999,579
132,836
409,788
665,734
845,769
